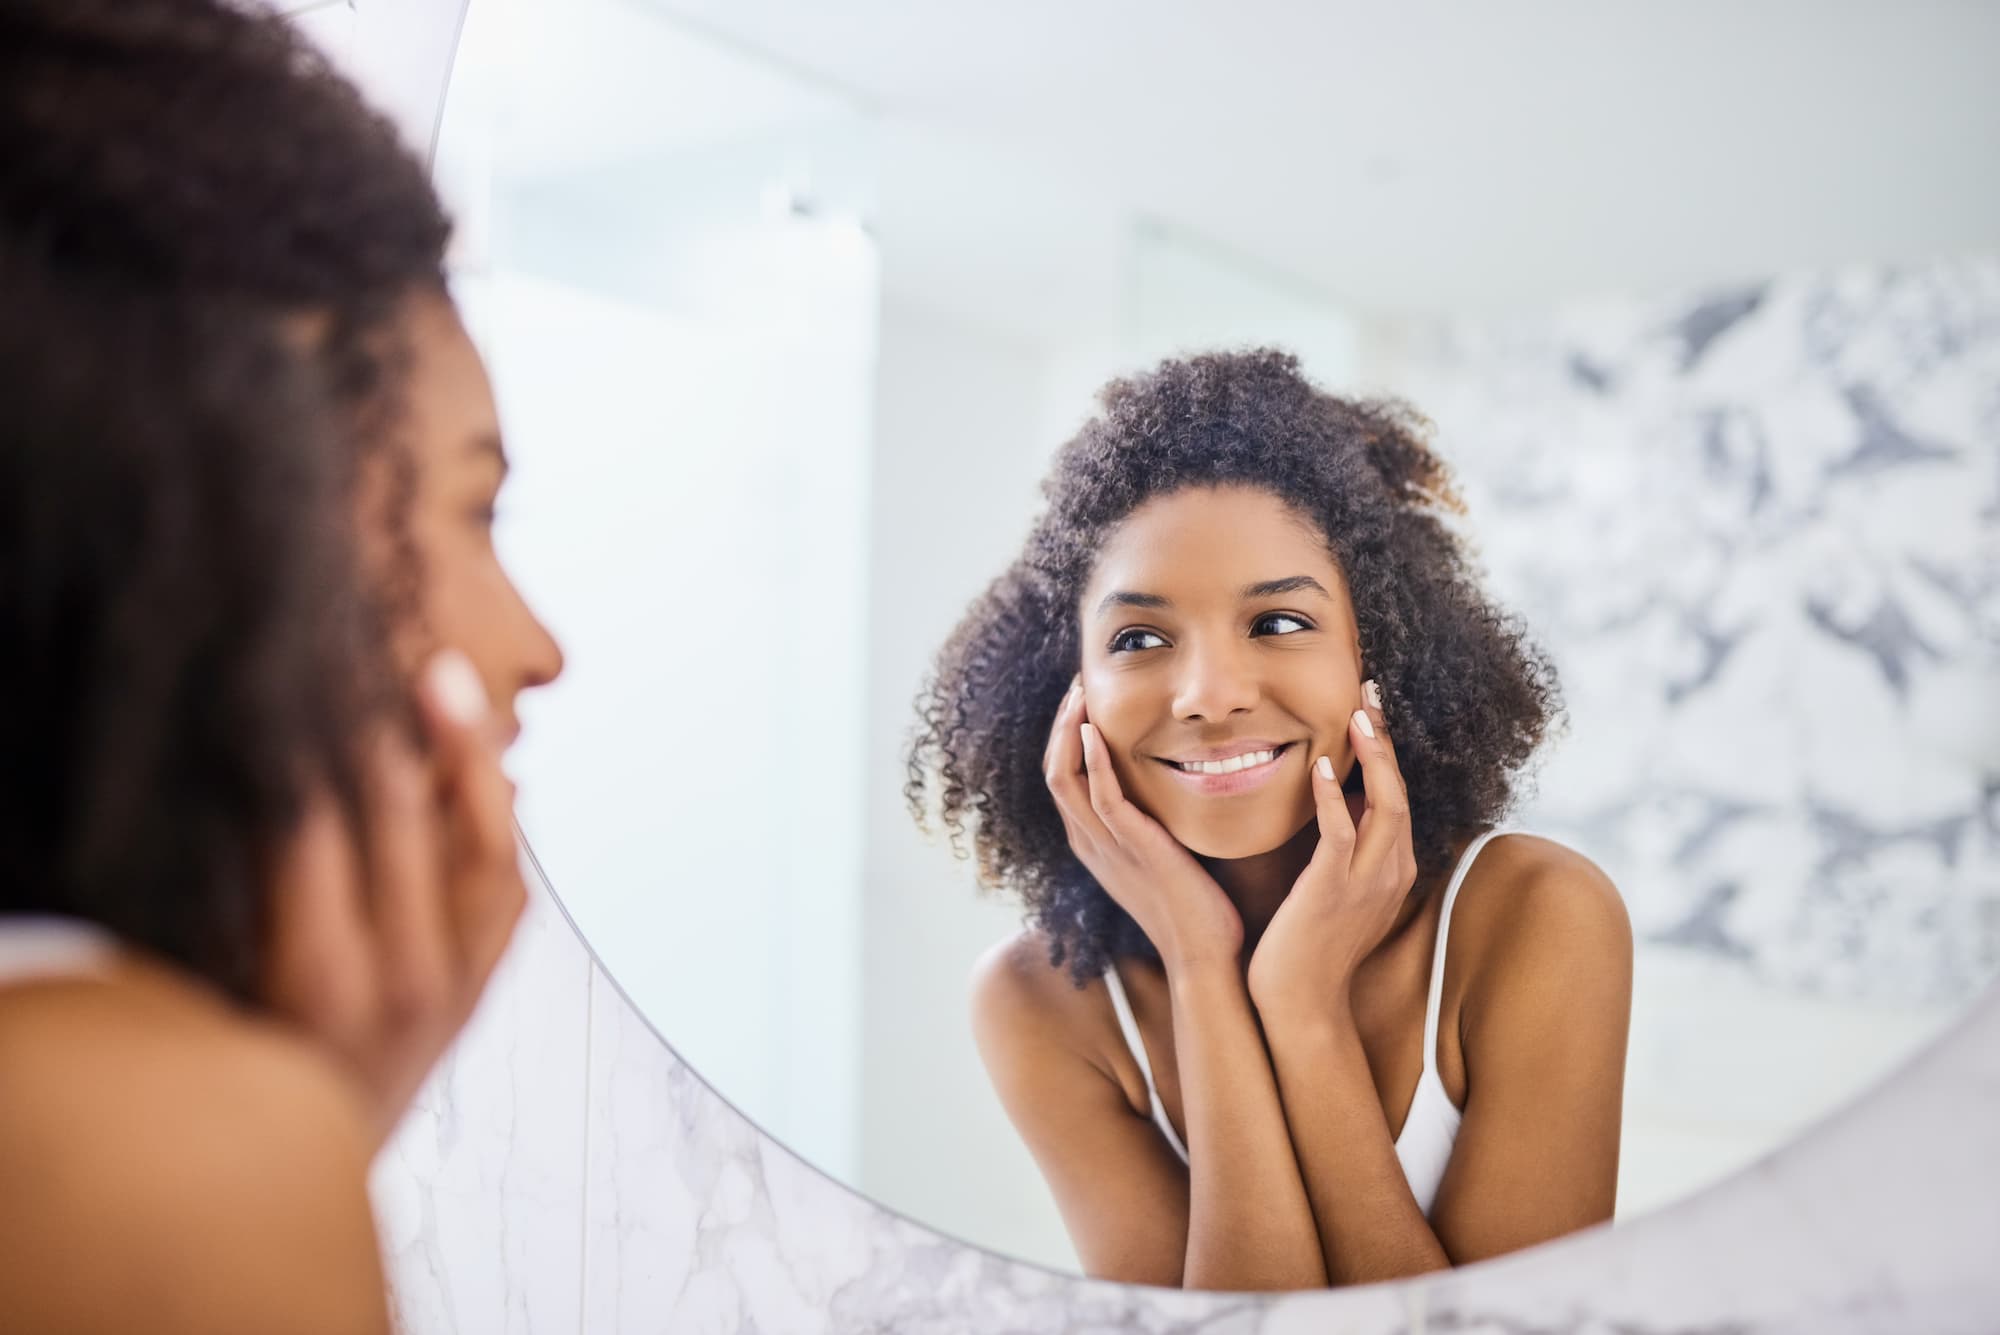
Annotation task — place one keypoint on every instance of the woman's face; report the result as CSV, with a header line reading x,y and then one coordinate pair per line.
x,y
1216,626
452,429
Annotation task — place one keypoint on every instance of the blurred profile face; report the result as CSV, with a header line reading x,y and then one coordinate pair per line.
x,y
1220,659
451,427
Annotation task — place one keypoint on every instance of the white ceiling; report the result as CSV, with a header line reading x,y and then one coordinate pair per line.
x,y
1402,158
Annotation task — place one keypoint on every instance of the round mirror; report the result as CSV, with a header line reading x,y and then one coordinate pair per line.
x,y
789,309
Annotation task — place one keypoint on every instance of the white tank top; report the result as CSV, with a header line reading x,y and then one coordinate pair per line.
x,y
1431,1127
34,947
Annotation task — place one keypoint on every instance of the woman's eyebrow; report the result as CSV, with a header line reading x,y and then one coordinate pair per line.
x,y
1125,598
1270,588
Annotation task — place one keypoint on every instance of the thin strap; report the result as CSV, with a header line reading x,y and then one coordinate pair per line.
x,y
1437,959
1116,987
34,946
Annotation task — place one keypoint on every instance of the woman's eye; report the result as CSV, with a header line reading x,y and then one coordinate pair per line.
x,y
1126,641
1280,623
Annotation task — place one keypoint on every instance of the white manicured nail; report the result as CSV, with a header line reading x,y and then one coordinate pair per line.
x,y
455,684
1367,728
1325,766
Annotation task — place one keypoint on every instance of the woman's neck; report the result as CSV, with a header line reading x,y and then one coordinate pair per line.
x,y
1257,885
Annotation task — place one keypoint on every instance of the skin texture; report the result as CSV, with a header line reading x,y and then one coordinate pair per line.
x,y
260,1124
1284,1018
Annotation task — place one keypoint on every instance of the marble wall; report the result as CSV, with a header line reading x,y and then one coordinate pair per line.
x,y
1759,530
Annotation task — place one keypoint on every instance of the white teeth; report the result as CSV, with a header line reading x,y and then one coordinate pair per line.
x,y
1229,766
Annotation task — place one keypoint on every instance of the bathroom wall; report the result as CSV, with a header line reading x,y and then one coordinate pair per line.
x,y
1758,529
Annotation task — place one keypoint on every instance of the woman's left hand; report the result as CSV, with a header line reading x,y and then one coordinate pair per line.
x,y
1350,894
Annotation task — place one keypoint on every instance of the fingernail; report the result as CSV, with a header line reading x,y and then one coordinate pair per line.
x,y
1325,767
1367,728
455,685
1372,693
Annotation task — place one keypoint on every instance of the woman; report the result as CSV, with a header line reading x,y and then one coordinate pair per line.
x,y
263,661
1237,726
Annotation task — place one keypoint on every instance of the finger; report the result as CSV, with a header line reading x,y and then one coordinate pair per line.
x,y
1064,772
484,891
1107,796
406,891
1371,701
1074,800
1064,753
1336,824
490,912
320,967
1384,828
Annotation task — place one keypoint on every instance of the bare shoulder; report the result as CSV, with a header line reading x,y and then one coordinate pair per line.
x,y
1037,1030
1538,914
175,1165
1017,993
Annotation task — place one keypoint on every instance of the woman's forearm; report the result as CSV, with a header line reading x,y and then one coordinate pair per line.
x,y
1249,1223
1369,1225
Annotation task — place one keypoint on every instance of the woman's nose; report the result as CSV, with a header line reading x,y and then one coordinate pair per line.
x,y
543,659
1216,681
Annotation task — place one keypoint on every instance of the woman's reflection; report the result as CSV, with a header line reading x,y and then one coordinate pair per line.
x,y
1237,726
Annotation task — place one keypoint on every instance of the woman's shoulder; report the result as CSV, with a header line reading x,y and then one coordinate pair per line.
x,y
1533,911
1021,997
175,1163
138,1019
1017,980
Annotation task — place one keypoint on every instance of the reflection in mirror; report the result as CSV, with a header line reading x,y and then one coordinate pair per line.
x,y
784,358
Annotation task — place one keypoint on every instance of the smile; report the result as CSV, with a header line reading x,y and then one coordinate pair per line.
x,y
1248,760
1231,775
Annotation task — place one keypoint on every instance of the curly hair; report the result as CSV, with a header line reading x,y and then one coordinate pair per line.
x,y
177,571
200,144
1469,696
197,155
203,147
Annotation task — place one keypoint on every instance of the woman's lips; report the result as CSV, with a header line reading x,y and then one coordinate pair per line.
x,y
1236,782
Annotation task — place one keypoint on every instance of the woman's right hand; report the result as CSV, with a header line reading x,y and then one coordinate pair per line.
x,y
1148,872
381,945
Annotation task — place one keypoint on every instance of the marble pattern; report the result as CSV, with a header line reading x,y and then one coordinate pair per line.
x,y
480,1195
1759,532
565,1171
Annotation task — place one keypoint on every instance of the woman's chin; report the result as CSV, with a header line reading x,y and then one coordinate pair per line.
x,y
1234,841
